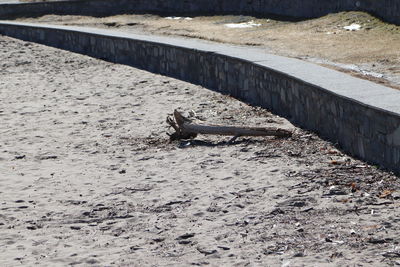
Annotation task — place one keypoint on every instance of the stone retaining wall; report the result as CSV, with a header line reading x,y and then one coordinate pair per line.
x,y
388,10
361,117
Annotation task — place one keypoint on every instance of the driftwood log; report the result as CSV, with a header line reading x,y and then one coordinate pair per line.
x,y
187,129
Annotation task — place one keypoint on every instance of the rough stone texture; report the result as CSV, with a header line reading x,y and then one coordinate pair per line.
x,y
389,10
361,117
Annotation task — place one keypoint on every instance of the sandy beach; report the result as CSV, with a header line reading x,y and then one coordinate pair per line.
x,y
90,178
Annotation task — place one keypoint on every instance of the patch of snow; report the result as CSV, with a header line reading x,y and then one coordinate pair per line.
x,y
249,24
353,27
360,69
372,73
178,18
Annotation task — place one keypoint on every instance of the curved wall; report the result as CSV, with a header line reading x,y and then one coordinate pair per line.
x,y
388,10
360,116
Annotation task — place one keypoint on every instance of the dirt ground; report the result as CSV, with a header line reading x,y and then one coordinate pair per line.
x,y
373,52
89,177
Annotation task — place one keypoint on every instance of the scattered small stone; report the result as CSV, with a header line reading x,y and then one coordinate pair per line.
x,y
223,247
105,228
334,191
361,166
122,171
201,263
101,208
277,211
342,161
308,209
396,195
20,157
92,261
185,236
74,227
175,202
298,254
298,203
184,242
379,241
239,206
336,255
206,251
86,213
391,254
48,157
213,208
294,153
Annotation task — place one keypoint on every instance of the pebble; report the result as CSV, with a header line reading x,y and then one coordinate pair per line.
x,y
206,251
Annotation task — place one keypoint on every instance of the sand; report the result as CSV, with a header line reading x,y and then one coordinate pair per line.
x,y
89,177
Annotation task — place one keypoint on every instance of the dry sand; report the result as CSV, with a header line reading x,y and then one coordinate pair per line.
x,y
89,177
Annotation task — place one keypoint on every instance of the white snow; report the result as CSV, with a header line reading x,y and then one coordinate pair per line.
x,y
353,27
249,24
178,18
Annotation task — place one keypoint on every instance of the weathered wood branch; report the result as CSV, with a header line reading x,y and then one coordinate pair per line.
x,y
186,129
